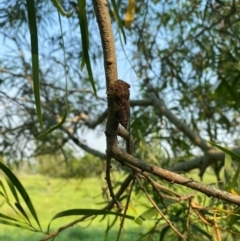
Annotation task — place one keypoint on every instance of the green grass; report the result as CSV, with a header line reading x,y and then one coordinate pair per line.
x,y
51,196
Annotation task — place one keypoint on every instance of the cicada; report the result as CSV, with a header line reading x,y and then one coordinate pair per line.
x,y
120,92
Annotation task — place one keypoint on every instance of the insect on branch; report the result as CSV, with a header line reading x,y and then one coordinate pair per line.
x,y
120,92
120,95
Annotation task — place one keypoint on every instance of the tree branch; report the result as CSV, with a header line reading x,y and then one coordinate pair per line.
x,y
159,211
109,52
163,110
100,119
202,162
110,66
83,146
143,103
210,191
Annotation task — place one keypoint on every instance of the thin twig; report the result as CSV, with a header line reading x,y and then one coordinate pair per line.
x,y
125,210
109,183
92,124
216,227
164,111
110,66
156,185
83,145
160,212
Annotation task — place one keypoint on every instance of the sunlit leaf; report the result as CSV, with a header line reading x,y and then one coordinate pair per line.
x,y
4,190
132,209
2,194
13,190
3,216
129,17
16,225
151,212
234,192
21,190
20,208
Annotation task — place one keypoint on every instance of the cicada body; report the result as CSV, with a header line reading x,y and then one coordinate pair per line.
x,y
120,92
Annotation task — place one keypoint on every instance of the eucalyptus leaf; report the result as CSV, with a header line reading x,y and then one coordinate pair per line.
x,y
89,212
34,51
85,41
22,226
231,153
21,190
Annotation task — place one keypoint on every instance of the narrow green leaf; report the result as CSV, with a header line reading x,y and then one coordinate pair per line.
x,y
119,20
227,172
15,225
228,169
197,229
13,190
21,190
235,178
66,90
89,212
107,230
146,215
232,154
82,63
110,225
2,194
163,233
233,218
54,127
126,56
139,220
61,10
232,92
4,190
85,42
20,208
7,217
34,50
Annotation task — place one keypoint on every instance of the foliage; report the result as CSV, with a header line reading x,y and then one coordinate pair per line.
x,y
184,94
70,166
